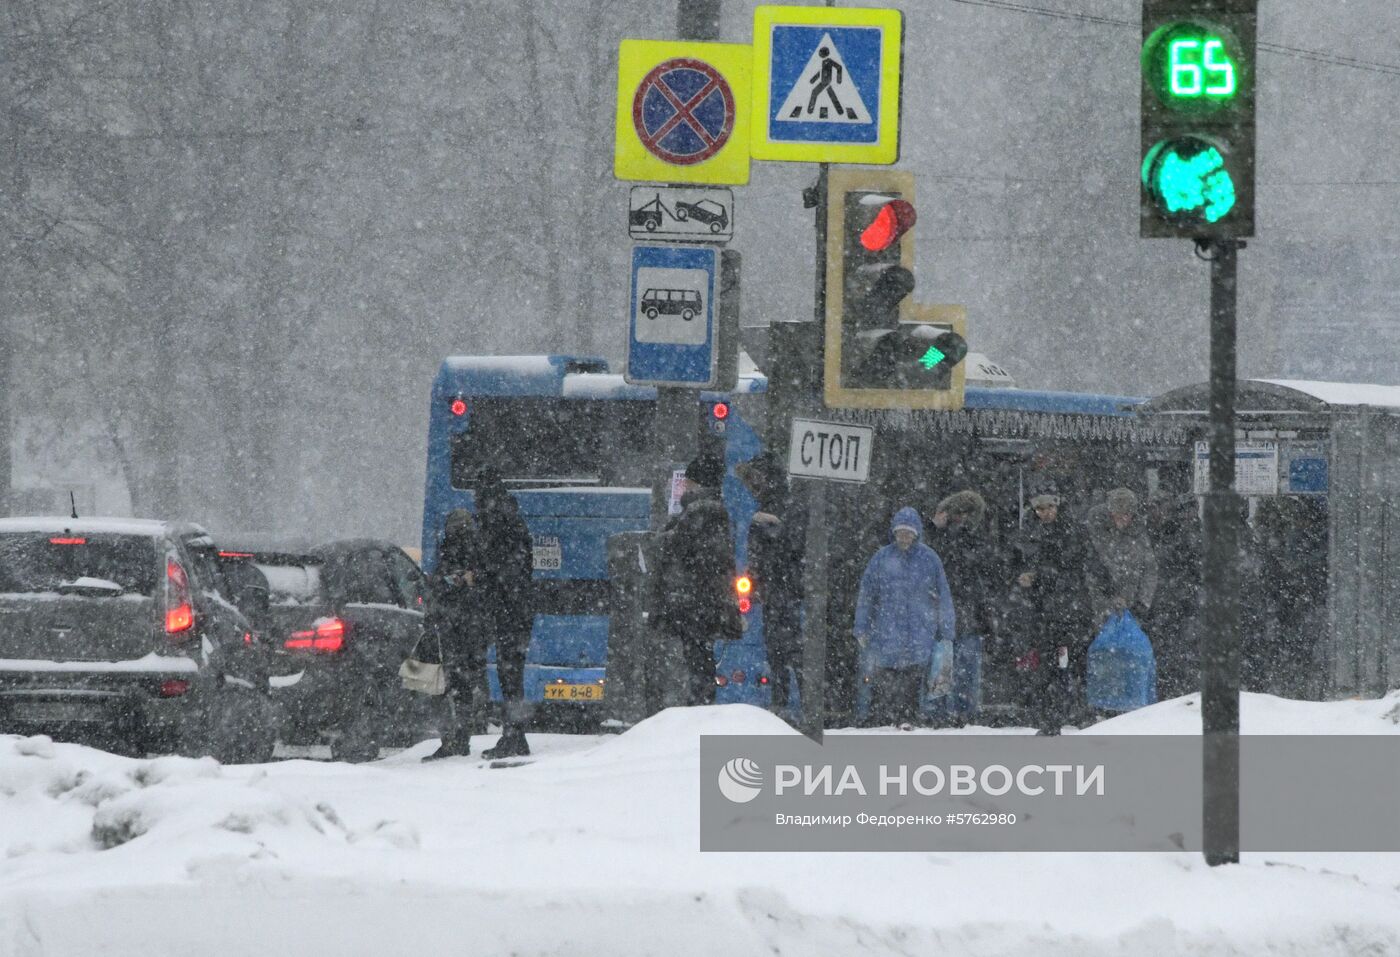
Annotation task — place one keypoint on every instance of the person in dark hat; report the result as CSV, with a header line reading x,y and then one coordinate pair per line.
x,y
975,576
777,544
692,590
506,583
453,627
1049,613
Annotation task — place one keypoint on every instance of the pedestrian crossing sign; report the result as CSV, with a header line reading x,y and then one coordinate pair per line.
x,y
826,84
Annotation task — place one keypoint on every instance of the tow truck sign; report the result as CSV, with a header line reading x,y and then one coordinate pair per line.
x,y
829,450
681,215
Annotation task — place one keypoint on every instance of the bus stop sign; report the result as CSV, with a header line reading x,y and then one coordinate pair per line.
x,y
671,322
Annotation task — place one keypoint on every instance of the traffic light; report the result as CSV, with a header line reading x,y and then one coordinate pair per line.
x,y
1197,112
880,353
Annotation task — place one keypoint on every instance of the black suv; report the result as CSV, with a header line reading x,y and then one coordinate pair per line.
x,y
115,632
340,619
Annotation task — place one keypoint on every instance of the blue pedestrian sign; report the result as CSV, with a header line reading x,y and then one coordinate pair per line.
x,y
826,84
671,323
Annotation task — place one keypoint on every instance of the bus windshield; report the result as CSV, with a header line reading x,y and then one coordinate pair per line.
x,y
553,441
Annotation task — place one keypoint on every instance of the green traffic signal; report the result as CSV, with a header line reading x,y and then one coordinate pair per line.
x,y
1189,180
1192,67
931,358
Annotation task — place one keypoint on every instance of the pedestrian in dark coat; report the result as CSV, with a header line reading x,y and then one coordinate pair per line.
x,y
507,603
453,627
976,574
777,544
692,591
1173,623
1050,614
904,607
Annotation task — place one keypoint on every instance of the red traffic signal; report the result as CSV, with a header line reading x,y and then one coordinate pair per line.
x,y
893,220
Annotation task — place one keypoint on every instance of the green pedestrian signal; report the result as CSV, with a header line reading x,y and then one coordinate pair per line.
x,y
1189,180
931,358
1198,118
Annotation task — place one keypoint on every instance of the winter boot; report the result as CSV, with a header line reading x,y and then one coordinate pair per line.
x,y
512,743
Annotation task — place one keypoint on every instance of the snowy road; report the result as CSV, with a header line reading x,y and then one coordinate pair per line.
x,y
593,849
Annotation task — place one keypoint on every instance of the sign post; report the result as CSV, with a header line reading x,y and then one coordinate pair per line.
x,y
822,452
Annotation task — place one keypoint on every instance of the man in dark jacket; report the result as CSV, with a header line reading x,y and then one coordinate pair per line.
x,y
975,576
507,603
452,629
1050,615
1173,625
776,546
693,588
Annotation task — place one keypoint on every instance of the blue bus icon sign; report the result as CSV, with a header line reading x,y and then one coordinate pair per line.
x,y
671,320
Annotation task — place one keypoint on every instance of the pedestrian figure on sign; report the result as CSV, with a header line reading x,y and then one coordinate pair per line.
x,y
903,608
692,591
508,603
453,623
825,78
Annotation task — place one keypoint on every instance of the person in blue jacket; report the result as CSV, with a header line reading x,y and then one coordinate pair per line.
x,y
903,608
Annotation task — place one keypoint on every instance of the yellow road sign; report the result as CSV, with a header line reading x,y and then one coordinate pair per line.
x,y
826,84
682,112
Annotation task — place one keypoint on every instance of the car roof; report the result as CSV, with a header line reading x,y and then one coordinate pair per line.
x,y
153,528
265,545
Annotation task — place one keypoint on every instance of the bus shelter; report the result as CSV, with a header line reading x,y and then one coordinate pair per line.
x,y
1319,463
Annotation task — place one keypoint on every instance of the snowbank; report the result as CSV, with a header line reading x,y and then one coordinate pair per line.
x,y
593,849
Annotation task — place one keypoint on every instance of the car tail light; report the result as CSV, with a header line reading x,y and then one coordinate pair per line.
x,y
173,687
235,554
67,541
179,613
325,634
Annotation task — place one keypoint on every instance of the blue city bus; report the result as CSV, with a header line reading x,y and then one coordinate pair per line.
x,y
572,441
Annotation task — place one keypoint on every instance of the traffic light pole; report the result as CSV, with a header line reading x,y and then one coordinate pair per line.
x,y
675,427
813,687
1220,646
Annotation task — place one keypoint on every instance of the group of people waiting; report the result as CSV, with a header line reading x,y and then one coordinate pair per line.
x,y
1022,614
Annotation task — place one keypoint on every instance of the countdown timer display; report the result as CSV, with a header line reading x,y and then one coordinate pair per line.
x,y
1193,67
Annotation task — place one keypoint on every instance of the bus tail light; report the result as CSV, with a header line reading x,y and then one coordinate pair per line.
x,y
720,411
459,406
743,587
738,677
325,635
179,612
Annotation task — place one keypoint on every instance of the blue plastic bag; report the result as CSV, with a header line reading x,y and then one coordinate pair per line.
x,y
1122,668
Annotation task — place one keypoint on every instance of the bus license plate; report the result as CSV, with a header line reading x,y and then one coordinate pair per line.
x,y
573,692
549,557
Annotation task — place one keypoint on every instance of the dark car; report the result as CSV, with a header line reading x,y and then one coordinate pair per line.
x,y
705,211
340,618
116,632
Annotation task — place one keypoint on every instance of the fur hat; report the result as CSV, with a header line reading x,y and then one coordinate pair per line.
x,y
1122,501
706,470
966,506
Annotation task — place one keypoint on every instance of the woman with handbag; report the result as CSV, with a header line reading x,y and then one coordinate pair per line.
x,y
453,627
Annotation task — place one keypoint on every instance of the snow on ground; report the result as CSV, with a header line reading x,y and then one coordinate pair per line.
x,y
593,849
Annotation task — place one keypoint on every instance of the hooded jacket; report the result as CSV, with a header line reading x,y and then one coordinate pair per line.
x,y
904,604
1126,566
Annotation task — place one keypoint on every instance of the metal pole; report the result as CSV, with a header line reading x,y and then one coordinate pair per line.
x,y
813,689
674,431
1220,654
